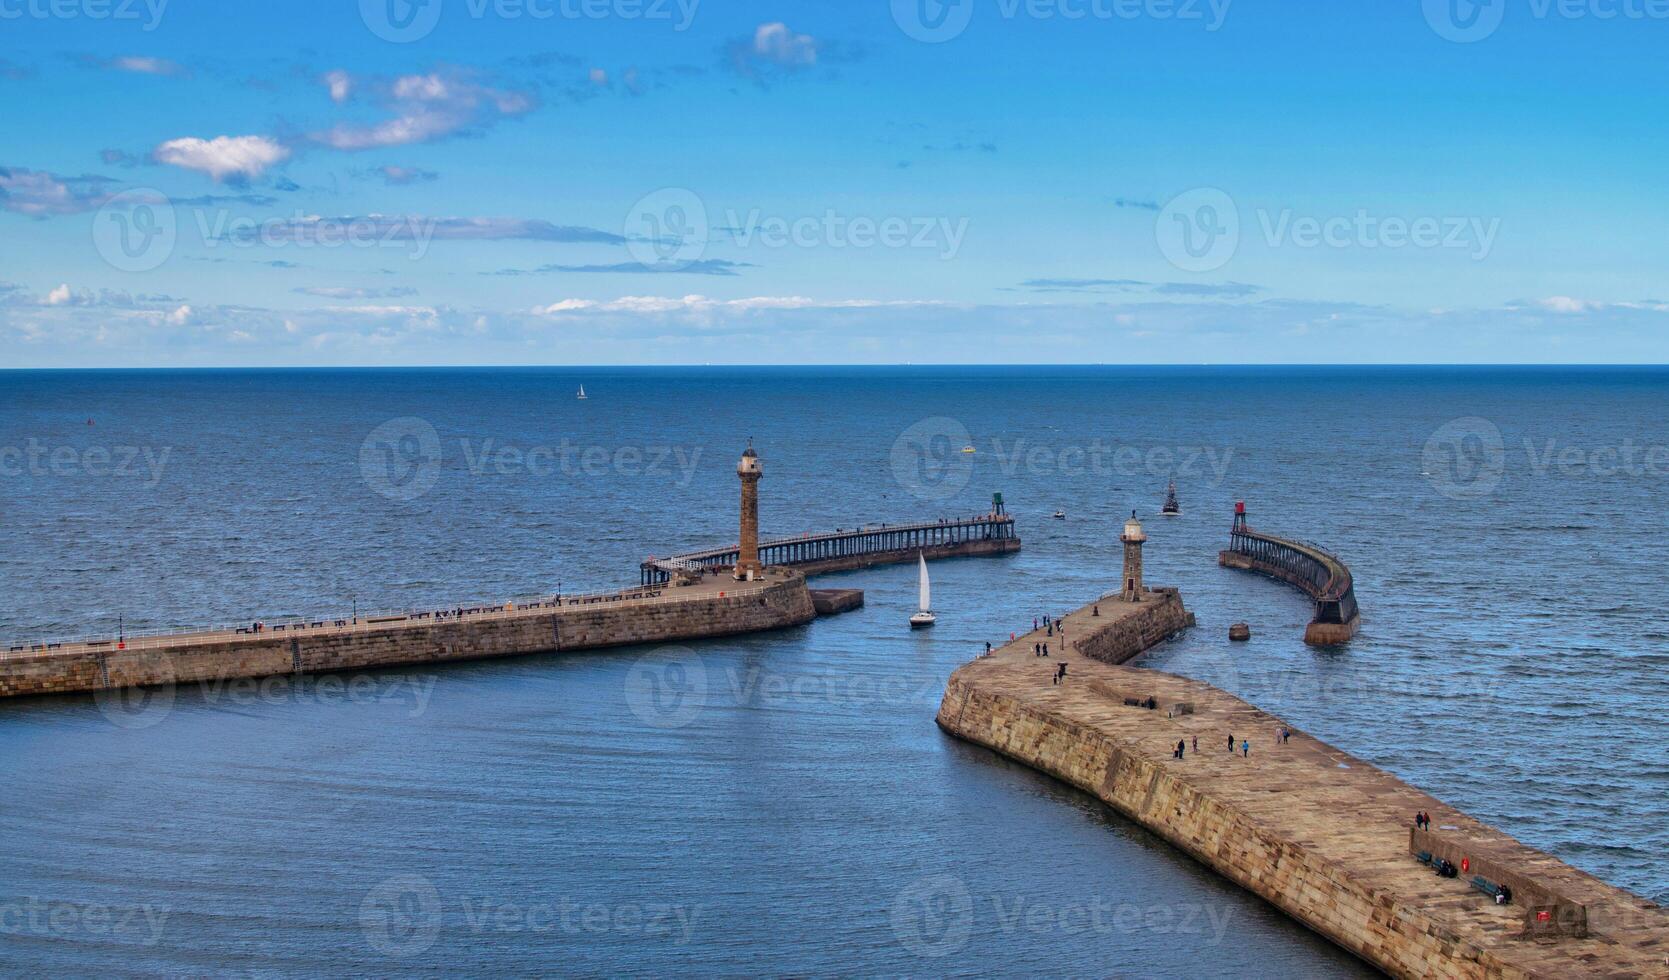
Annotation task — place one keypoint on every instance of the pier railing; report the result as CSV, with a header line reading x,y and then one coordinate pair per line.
x,y
811,547
1314,569
24,647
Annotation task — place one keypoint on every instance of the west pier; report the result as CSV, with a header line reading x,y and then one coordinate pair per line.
x,y
753,586
1320,834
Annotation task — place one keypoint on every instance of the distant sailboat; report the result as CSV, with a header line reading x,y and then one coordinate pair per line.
x,y
1171,508
581,395
925,617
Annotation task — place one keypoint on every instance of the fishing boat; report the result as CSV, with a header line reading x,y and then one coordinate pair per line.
x,y
924,618
1060,515
969,449
1171,508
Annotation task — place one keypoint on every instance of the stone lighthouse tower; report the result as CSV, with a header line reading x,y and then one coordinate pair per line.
x,y
1132,537
747,560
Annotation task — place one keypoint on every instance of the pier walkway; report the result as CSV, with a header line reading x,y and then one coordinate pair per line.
x,y
872,544
1315,831
312,627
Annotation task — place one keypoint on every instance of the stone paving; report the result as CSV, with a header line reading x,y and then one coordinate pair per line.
x,y
1323,800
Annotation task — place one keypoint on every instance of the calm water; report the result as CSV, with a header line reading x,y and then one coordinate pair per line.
x,y
784,804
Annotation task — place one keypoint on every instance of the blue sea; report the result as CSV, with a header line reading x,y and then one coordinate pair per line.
x,y
794,810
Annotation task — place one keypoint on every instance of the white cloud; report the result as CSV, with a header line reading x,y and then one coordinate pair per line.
x,y
703,304
180,317
60,296
777,44
340,83
224,157
39,194
599,76
146,66
1567,304
427,108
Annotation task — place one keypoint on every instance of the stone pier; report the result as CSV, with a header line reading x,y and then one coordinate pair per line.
x,y
709,608
1320,834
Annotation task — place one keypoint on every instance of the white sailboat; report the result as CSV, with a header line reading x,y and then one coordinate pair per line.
x,y
581,395
925,617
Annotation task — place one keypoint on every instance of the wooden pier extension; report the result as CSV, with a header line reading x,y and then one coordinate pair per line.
x,y
872,544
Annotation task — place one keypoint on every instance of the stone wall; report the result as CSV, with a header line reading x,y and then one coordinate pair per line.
x,y
1322,895
782,603
1125,637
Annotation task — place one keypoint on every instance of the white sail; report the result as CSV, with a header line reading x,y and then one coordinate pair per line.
x,y
926,595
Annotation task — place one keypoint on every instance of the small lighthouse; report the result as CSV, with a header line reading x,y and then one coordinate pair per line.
x,y
747,558
1132,537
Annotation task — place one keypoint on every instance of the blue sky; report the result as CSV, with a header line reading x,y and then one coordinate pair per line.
x,y
631,181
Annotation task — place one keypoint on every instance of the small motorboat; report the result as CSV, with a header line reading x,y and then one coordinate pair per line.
x,y
924,618
1060,515
969,449
581,395
1171,508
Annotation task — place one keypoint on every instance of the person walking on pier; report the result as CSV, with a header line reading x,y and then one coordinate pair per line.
x,y
1245,749
1181,747
1196,745
1231,741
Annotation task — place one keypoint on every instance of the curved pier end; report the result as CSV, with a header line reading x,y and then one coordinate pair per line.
x,y
1315,571
1316,832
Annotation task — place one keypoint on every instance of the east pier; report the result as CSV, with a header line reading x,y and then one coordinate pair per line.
x,y
1316,832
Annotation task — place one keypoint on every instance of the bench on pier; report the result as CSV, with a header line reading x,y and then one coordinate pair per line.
x,y
1490,888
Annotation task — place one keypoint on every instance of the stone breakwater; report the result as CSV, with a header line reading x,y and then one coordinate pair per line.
x,y
1316,832
708,609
